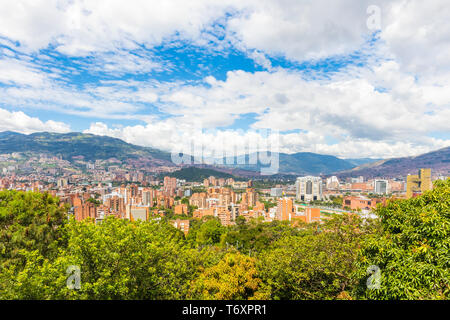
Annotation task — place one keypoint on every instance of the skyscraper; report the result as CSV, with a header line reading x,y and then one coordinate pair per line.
x,y
285,209
418,183
309,188
381,186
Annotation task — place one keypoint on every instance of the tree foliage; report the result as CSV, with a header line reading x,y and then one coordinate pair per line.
x,y
121,259
315,265
233,278
30,221
412,250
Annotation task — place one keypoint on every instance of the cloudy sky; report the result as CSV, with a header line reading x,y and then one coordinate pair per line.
x,y
349,78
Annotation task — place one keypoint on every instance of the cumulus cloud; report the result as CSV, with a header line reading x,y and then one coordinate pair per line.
x,y
389,105
20,122
417,33
191,138
414,31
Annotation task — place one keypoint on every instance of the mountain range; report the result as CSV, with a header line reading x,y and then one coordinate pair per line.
x,y
89,147
75,145
438,161
301,163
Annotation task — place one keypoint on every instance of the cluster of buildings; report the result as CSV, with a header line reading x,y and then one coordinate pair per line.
x,y
136,195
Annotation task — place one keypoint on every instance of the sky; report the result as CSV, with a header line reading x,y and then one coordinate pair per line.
x,y
352,79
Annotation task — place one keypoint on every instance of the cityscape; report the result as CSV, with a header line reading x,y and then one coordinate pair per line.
x,y
224,159
108,189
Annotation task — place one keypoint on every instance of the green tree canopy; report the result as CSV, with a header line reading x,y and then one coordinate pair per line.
x,y
31,221
412,250
315,265
233,278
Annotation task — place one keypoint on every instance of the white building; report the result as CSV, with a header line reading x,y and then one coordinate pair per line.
x,y
333,182
309,188
380,186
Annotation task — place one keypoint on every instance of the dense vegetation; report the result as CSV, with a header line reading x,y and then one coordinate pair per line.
x,y
119,259
198,174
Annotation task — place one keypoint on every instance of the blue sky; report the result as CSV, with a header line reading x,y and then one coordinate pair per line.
x,y
327,81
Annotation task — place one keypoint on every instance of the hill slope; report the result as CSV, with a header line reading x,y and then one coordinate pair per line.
x,y
71,146
438,161
92,147
68,145
198,174
302,163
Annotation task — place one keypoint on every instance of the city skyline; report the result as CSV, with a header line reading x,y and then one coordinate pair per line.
x,y
341,81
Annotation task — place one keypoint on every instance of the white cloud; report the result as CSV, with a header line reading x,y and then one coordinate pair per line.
x,y
418,34
13,71
80,27
297,29
302,30
168,136
388,107
349,107
20,122
414,31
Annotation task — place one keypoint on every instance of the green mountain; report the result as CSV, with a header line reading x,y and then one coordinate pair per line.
x,y
89,147
312,163
302,163
198,174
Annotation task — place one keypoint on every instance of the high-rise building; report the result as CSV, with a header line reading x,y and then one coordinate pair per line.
x,y
380,186
147,197
309,188
420,183
312,215
212,181
84,210
198,200
135,213
285,209
170,183
251,197
62,182
116,204
359,179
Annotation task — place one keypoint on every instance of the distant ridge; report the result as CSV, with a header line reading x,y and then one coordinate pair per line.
x,y
301,163
93,147
438,161
68,145
90,147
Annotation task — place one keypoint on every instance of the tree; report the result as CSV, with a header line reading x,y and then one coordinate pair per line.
x,y
210,232
233,278
94,201
31,221
315,265
412,249
256,236
118,259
